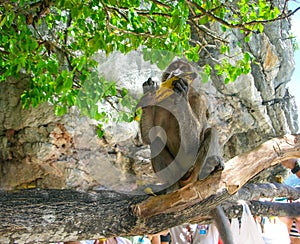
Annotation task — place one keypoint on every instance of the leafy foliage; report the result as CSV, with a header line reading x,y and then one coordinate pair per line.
x,y
54,43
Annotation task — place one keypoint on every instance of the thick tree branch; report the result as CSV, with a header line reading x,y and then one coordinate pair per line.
x,y
252,192
70,215
238,171
36,216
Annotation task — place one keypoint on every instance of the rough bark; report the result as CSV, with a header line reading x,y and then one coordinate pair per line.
x,y
36,216
32,216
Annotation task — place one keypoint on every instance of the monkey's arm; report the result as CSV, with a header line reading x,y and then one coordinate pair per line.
x,y
146,104
146,123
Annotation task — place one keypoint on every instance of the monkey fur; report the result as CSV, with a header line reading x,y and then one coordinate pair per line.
x,y
174,124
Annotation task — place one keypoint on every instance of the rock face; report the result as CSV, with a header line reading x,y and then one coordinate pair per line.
x,y
38,149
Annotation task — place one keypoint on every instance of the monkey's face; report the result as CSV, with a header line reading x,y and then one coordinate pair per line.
x,y
179,69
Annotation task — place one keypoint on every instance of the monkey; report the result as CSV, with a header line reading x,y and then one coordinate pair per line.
x,y
176,127
174,122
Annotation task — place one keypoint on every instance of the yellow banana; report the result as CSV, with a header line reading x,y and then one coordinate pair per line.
x,y
166,88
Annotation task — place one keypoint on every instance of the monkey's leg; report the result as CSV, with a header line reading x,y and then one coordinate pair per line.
x,y
193,174
204,165
164,164
211,149
222,224
211,164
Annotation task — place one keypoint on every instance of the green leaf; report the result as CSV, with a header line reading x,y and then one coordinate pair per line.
x,y
247,57
224,28
224,49
3,20
68,83
207,69
203,20
100,131
124,92
247,38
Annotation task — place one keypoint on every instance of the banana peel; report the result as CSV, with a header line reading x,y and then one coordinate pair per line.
x,y
165,89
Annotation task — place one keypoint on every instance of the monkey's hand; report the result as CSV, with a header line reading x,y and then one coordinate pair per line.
x,y
149,86
148,99
212,164
181,87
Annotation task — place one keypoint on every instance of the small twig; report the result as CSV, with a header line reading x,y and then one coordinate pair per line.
x,y
107,19
118,10
206,31
293,12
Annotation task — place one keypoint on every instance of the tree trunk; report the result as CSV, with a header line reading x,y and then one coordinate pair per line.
x,y
36,216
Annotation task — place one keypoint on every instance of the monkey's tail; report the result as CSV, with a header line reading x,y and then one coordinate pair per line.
x,y
222,224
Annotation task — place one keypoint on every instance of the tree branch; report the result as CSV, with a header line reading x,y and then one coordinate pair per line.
x,y
266,190
266,209
237,172
57,215
216,18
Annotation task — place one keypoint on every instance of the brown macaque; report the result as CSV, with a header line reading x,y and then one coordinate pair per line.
x,y
174,123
